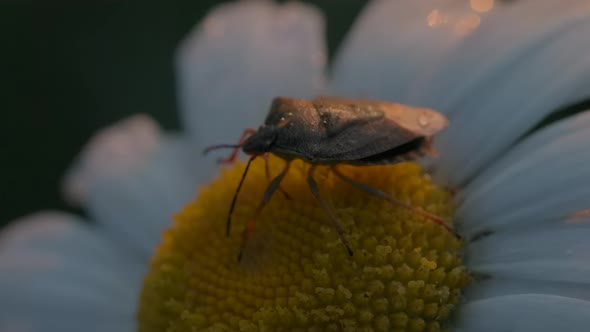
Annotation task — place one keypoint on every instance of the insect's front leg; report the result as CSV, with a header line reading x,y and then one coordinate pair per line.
x,y
266,158
272,187
235,198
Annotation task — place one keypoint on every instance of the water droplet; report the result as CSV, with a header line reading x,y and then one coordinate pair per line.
x,y
423,119
481,6
467,24
435,18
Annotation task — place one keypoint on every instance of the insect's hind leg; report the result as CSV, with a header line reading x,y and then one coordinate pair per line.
x,y
374,191
316,193
272,187
234,154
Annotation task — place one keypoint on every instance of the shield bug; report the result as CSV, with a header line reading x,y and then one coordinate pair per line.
x,y
333,131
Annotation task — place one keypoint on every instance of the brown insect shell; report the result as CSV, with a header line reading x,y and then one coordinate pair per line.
x,y
338,130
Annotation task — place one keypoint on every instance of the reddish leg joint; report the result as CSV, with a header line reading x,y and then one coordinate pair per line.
x,y
232,157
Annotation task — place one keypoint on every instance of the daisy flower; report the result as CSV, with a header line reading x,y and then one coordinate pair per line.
x,y
518,198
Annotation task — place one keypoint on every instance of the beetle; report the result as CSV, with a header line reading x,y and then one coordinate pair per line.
x,y
332,131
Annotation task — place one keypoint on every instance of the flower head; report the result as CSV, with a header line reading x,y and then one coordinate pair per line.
x,y
406,273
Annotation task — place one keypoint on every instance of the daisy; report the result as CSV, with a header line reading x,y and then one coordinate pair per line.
x,y
495,70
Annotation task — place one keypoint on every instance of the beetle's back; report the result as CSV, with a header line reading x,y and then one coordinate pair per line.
x,y
339,130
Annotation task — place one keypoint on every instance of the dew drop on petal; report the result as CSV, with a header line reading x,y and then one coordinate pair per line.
x,y
435,19
481,6
423,119
467,24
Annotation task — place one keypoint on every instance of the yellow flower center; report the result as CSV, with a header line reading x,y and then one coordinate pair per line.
x,y
406,273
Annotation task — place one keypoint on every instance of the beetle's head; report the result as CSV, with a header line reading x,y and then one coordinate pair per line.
x,y
261,141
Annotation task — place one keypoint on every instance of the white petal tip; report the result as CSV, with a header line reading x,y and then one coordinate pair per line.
x,y
38,224
231,20
243,54
113,151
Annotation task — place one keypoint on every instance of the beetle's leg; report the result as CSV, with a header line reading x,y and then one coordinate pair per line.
x,y
232,157
316,193
235,198
267,171
266,165
379,193
272,187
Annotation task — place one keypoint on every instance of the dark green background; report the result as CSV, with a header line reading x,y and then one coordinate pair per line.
x,y
70,68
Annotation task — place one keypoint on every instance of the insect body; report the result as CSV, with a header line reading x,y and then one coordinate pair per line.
x,y
332,131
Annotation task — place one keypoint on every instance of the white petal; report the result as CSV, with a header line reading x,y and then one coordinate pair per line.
x,y
543,179
494,287
527,312
552,253
135,208
118,149
523,63
56,274
241,56
496,173
132,178
391,44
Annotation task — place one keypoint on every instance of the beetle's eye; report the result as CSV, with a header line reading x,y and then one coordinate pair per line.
x,y
283,121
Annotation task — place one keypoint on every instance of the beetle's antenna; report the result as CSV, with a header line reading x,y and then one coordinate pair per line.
x,y
221,146
233,201
379,193
316,193
232,157
272,187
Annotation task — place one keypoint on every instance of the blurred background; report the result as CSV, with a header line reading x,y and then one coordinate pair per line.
x,y
69,68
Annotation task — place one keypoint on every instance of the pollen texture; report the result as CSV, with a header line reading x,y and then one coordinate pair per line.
x,y
406,273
